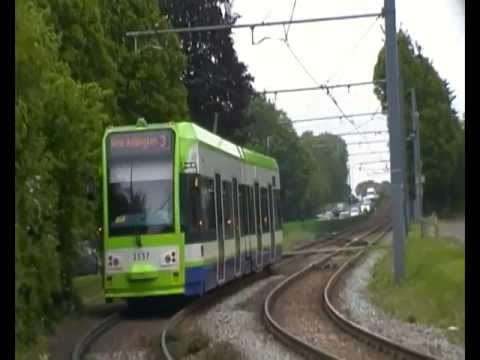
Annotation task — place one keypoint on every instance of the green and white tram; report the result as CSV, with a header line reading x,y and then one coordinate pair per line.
x,y
184,210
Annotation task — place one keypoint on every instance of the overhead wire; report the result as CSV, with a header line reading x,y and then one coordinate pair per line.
x,y
354,49
291,18
332,98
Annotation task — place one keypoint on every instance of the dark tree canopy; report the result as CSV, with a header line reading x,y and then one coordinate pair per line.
x,y
440,130
217,82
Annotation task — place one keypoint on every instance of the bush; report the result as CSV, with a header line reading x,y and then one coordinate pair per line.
x,y
58,128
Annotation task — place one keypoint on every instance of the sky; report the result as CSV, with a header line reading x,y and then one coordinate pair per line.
x,y
341,52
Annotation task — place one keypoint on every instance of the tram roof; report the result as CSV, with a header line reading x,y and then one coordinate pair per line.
x,y
192,131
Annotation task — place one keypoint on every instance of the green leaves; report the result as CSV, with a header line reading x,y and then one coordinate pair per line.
x,y
312,168
59,123
148,83
439,124
217,82
75,73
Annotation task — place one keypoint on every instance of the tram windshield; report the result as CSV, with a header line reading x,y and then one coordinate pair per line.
x,y
140,182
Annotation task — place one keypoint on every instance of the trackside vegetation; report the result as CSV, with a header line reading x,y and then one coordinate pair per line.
x,y
77,74
296,233
433,291
88,290
442,131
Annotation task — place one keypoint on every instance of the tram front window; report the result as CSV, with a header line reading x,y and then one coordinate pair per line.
x,y
140,183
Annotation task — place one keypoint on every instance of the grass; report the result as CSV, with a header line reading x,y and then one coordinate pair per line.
x,y
433,291
296,233
88,290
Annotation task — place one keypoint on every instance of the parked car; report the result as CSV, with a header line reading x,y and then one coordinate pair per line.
x,y
366,206
354,211
344,214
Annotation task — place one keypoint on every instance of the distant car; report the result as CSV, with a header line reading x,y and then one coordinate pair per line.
x,y
371,194
354,211
344,214
366,206
328,215
321,217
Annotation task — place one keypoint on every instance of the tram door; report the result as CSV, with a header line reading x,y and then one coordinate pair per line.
x,y
236,226
220,230
272,222
258,222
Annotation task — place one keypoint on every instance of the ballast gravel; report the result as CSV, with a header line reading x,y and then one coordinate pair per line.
x,y
355,303
238,323
120,355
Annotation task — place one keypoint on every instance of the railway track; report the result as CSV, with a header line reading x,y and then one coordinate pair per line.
x,y
109,324
383,347
85,343
387,346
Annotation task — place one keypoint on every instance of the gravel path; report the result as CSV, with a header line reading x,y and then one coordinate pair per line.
x,y
237,321
355,303
454,228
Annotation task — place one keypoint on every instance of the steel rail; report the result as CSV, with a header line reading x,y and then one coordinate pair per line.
x,y
370,338
292,341
210,298
85,343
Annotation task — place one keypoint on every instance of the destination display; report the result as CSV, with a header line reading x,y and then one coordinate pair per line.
x,y
144,142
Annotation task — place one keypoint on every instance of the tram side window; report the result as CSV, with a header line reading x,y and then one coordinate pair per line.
x,y
196,222
208,207
243,194
198,208
277,210
264,204
227,209
251,211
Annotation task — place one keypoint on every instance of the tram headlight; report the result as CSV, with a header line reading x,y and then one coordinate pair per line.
x,y
168,259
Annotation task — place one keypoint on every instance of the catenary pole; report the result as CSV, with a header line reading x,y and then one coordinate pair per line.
x,y
417,159
396,140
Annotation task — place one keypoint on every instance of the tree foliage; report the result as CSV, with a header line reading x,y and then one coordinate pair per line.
x,y
58,124
217,82
380,188
440,130
148,82
77,73
74,75
145,83
312,168
330,166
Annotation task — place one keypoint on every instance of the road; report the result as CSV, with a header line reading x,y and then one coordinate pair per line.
x,y
455,228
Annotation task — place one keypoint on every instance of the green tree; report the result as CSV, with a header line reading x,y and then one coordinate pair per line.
x,y
146,83
439,124
58,128
330,153
149,81
312,168
272,133
361,188
217,82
